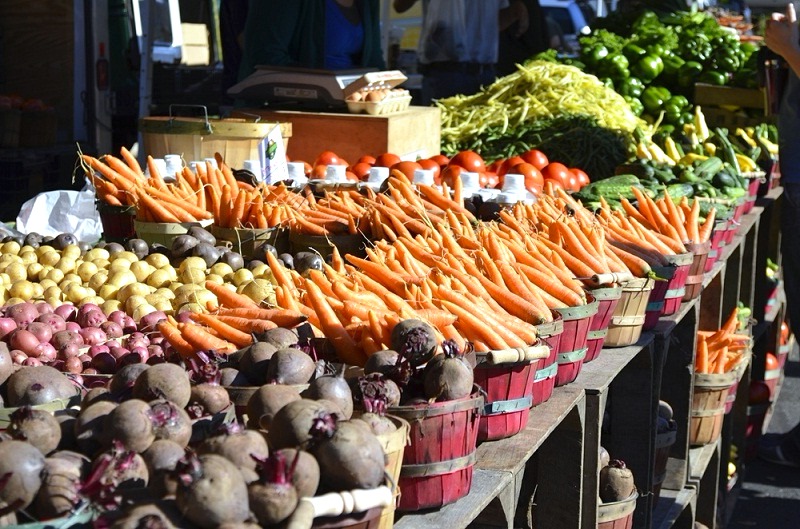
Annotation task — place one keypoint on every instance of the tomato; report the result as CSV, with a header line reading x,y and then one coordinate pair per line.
x,y
772,362
386,159
318,171
307,168
407,168
441,159
494,166
450,173
550,184
367,159
557,171
329,158
759,392
469,160
536,158
785,332
572,183
508,164
427,163
582,177
351,176
492,180
483,180
361,170
533,177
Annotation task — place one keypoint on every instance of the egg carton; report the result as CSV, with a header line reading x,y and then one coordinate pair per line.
x,y
390,105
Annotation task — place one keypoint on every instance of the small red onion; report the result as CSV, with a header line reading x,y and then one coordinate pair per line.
x,y
42,331
7,325
93,335
43,307
72,326
112,329
32,362
104,363
68,311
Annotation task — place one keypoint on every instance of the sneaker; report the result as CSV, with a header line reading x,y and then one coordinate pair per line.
x,y
775,454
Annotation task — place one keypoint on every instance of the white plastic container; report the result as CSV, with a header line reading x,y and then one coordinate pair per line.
x,y
424,177
161,165
470,183
297,173
377,175
254,166
174,165
336,174
212,161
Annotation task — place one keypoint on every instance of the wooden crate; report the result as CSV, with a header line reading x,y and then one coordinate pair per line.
x,y
720,117
711,95
411,134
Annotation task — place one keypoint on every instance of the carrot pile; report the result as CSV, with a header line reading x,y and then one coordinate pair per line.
x,y
721,351
679,222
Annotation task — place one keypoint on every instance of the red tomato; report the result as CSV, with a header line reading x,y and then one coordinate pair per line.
x,y
557,171
533,177
450,173
351,176
572,183
361,170
318,171
307,168
407,168
427,163
508,164
492,180
387,159
483,180
494,166
469,160
367,159
582,177
441,159
329,158
550,184
759,392
772,362
536,158
785,332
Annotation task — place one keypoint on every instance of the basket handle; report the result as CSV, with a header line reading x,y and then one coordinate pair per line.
x,y
204,108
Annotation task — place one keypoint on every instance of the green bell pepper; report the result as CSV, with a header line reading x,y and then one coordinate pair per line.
x,y
653,99
631,87
648,67
715,78
689,73
633,51
615,66
636,105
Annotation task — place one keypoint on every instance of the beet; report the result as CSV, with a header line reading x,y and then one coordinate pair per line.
x,y
38,427
38,385
333,388
207,395
279,337
254,361
163,381
160,514
273,497
603,457
211,491
95,395
236,444
230,376
448,376
305,476
161,459
170,422
265,403
67,425
290,366
349,455
373,394
114,470
291,426
89,426
616,482
381,362
131,424
122,382
21,466
60,490
415,340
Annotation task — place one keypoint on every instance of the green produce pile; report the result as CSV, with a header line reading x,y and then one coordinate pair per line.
x,y
655,60
540,100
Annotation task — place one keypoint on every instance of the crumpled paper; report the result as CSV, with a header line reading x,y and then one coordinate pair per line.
x,y
63,211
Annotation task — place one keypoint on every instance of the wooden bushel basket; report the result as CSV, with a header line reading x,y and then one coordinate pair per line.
x,y
655,302
694,282
572,349
607,299
677,285
323,245
394,444
708,406
618,514
544,380
117,222
439,460
664,442
244,241
507,380
626,324
164,232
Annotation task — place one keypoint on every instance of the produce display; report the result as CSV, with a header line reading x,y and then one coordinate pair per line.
x,y
722,351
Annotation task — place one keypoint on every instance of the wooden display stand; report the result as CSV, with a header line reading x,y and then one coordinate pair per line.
x,y
412,134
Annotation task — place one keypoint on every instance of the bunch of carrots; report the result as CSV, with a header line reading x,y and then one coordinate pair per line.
x,y
723,350
679,222
227,327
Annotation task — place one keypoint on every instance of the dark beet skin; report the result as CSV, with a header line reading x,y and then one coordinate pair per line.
x,y
415,340
89,426
265,403
161,459
61,480
239,447
208,399
164,381
94,395
305,477
255,360
160,514
382,362
290,366
23,464
38,427
352,459
38,385
448,378
211,491
122,381
335,389
6,363
291,425
131,424
170,422
616,482
279,337
230,376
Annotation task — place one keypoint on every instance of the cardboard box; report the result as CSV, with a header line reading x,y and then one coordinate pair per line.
x,y
415,133
195,50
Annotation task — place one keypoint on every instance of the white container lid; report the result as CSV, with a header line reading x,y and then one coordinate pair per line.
x,y
254,166
424,177
377,175
161,165
470,181
174,164
336,173
513,183
213,162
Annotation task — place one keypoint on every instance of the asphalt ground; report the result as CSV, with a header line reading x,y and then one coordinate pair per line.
x,y
770,495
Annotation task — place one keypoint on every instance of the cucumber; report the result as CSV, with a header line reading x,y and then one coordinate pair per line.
x,y
613,187
706,169
678,191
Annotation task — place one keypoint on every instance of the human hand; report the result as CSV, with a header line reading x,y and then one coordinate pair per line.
x,y
781,34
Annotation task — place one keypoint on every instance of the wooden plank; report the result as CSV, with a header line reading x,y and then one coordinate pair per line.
x,y
671,505
598,374
752,271
699,459
708,490
711,95
595,409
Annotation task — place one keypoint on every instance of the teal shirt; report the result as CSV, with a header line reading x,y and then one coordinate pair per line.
x,y
292,33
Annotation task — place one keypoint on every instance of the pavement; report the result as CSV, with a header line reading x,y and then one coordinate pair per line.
x,y
770,496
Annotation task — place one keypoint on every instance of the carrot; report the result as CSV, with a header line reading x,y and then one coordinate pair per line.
x,y
227,332
578,267
176,339
229,298
346,348
249,325
637,266
674,217
195,211
279,272
692,220
131,160
203,340
701,363
705,230
391,280
114,177
155,209
732,322
471,326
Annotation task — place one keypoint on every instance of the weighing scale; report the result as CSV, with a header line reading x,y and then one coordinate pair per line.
x,y
305,88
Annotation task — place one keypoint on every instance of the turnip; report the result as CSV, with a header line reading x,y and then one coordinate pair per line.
x,y
89,426
164,381
291,426
616,482
349,455
38,385
170,422
273,497
290,366
236,444
415,340
38,427
266,402
211,491
21,466
161,459
333,388
130,423
207,395
305,476
448,376
254,361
